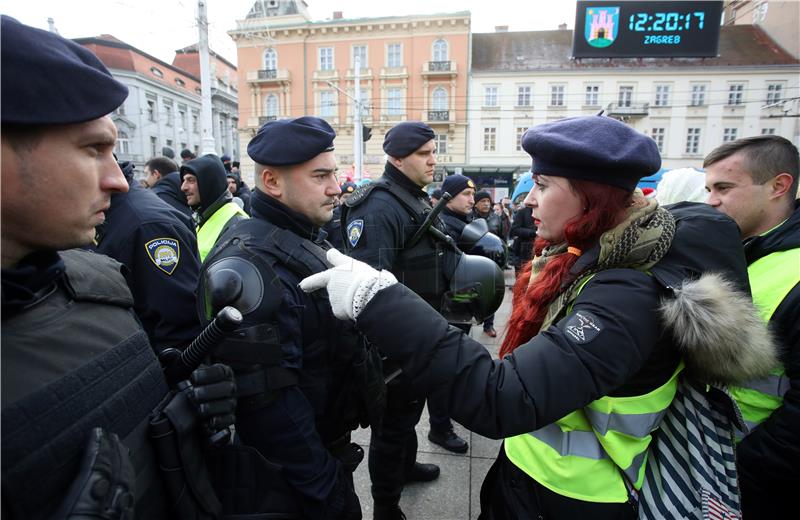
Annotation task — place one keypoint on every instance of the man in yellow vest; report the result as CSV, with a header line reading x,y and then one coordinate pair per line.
x,y
754,181
205,184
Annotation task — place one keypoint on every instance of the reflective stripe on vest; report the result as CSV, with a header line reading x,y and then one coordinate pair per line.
x,y
581,454
771,279
208,233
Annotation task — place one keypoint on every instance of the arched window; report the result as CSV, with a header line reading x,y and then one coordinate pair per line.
x,y
123,142
270,59
271,106
439,101
440,51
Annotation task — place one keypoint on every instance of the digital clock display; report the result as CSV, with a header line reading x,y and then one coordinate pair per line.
x,y
646,29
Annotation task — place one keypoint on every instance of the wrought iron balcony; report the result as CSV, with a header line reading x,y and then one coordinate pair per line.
x,y
264,119
439,67
267,74
438,115
628,109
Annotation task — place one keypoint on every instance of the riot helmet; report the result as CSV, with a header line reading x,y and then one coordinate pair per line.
x,y
476,239
476,290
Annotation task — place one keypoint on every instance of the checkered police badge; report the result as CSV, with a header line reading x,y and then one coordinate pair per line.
x,y
164,253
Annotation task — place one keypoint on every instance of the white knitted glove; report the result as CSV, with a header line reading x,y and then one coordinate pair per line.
x,y
351,284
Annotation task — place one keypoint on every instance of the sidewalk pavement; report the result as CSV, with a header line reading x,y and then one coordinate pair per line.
x,y
455,495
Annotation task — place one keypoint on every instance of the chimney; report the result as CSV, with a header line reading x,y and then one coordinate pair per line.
x,y
500,28
337,15
562,27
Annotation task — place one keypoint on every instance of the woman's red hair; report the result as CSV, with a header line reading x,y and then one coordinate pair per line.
x,y
604,205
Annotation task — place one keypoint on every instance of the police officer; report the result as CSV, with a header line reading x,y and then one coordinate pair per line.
x,y
458,211
79,378
300,371
334,227
754,181
381,218
161,176
205,184
158,246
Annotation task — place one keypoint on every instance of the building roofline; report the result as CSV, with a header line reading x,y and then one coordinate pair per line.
x,y
251,25
118,44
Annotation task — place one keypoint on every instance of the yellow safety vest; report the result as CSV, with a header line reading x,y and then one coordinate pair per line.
x,y
771,279
208,233
581,455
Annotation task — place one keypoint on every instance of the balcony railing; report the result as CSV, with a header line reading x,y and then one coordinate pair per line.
x,y
264,119
438,115
628,109
268,75
439,67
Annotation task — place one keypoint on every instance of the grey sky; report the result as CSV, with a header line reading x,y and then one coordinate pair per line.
x,y
158,27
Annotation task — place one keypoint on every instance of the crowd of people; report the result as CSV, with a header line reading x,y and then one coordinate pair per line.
x,y
351,307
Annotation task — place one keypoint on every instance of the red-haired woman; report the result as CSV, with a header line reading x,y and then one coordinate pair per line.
x,y
620,296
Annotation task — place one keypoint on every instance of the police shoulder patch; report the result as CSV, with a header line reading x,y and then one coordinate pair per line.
x,y
354,231
583,327
165,253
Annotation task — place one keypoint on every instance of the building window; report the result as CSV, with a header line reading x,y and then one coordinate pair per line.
x,y
735,93
156,72
123,144
767,131
520,132
394,55
774,93
440,51
698,95
182,117
196,150
326,58
183,146
153,146
440,99
271,107
168,113
490,96
524,96
662,95
120,111
592,95
693,141
658,136
195,122
169,143
180,82
394,102
729,134
151,110
221,129
441,143
625,97
270,59
327,103
489,139
360,52
557,95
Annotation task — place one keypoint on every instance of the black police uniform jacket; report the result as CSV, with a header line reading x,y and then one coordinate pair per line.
x,y
769,457
633,351
523,231
454,223
158,246
168,189
73,358
380,219
293,363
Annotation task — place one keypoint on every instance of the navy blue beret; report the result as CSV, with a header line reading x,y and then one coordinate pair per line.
x,y
437,193
405,138
291,141
48,80
592,148
455,184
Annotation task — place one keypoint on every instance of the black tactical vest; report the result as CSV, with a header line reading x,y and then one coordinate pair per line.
x,y
254,352
425,267
105,375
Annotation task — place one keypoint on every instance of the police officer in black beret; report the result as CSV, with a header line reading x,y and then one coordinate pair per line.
x,y
301,373
158,246
334,227
79,377
380,220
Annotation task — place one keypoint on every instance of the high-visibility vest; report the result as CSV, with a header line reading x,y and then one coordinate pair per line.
x,y
208,233
771,279
583,455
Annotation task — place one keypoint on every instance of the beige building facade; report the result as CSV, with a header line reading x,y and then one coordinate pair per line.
x,y
412,68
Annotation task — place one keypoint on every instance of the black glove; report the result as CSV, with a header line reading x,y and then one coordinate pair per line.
x,y
103,488
213,391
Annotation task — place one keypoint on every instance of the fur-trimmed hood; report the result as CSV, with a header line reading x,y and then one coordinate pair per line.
x,y
719,332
